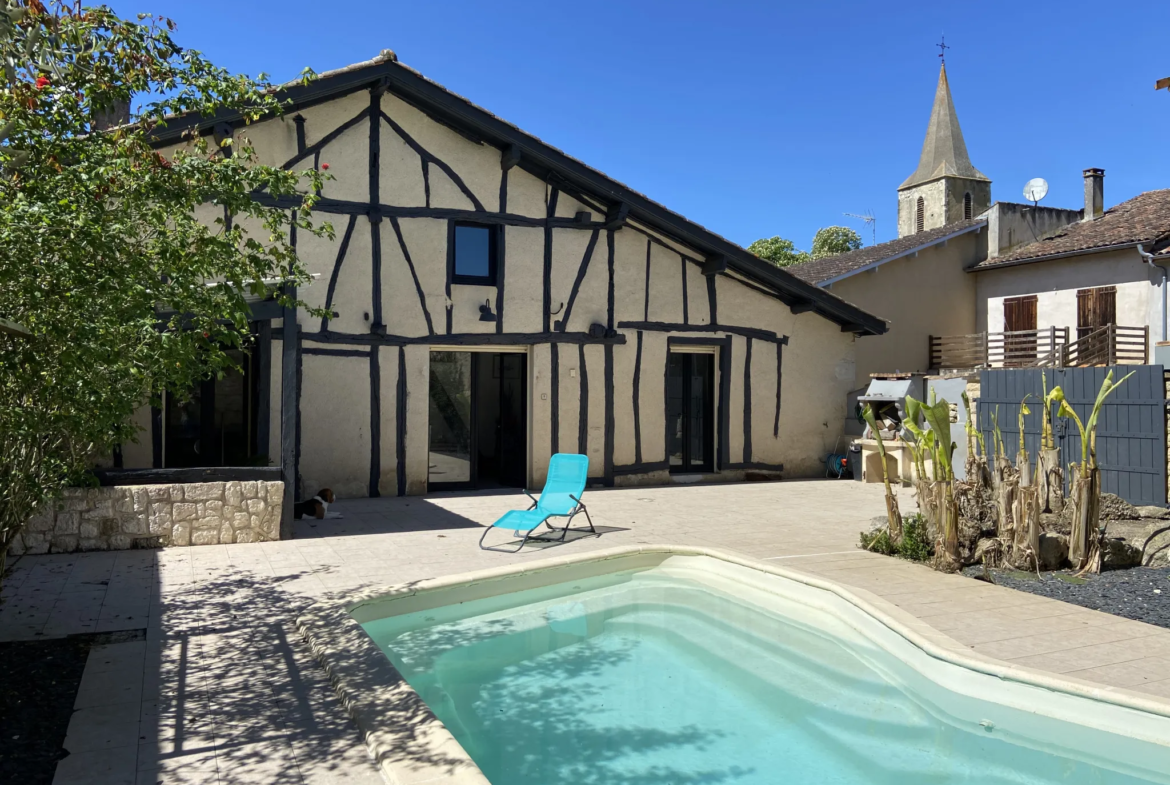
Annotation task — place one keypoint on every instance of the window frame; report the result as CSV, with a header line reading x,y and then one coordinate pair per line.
x,y
492,278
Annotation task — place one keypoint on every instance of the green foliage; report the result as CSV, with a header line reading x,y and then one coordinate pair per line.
x,y
833,240
1087,430
937,415
914,544
119,260
778,251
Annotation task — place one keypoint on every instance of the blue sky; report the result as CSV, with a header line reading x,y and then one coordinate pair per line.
x,y
758,118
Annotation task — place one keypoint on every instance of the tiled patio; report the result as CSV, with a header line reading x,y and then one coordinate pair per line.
x,y
220,689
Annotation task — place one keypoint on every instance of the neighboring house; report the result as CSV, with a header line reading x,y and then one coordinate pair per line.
x,y
1108,270
496,301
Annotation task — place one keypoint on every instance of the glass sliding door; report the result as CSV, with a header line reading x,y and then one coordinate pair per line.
x,y
450,460
690,421
478,420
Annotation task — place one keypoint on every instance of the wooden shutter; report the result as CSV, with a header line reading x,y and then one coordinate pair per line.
x,y
1096,308
1019,313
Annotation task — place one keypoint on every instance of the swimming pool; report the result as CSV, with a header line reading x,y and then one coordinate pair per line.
x,y
679,667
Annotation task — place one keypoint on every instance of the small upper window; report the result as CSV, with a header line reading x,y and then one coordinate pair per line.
x,y
967,206
475,254
920,215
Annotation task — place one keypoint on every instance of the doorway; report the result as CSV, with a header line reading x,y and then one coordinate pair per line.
x,y
215,425
478,420
690,420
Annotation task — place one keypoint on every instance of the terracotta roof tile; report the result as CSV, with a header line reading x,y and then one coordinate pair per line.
x,y
1143,219
831,267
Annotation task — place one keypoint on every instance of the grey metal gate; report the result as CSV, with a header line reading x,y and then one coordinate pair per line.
x,y
1131,431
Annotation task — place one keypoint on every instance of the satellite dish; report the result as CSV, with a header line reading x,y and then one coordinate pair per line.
x,y
1035,189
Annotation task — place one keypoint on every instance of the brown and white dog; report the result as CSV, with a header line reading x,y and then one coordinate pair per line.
x,y
317,507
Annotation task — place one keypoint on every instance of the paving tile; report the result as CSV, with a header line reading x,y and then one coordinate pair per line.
x,y
112,766
102,727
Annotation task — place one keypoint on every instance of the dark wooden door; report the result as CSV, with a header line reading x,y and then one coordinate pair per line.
x,y
1019,320
1096,308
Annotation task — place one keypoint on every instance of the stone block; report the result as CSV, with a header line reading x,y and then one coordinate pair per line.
x,y
160,493
202,491
109,527
67,523
225,533
248,489
182,511
256,506
124,500
233,494
133,523
180,534
205,537
213,509
93,544
148,542
160,519
99,507
16,547
41,522
63,543
36,548
246,535
241,520
141,501
121,542
276,491
89,529
72,500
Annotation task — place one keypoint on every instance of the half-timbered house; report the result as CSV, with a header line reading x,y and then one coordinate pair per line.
x,y
494,301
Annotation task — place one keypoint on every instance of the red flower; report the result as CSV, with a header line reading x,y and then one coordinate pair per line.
x,y
206,335
42,82
325,167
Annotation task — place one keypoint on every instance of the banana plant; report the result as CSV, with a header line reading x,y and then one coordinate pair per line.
x,y
937,440
893,514
1087,430
1047,440
1024,412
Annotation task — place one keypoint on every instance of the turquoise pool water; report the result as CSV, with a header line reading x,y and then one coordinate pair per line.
x,y
650,676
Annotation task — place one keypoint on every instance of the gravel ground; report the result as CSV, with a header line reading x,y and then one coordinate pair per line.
x,y
1140,593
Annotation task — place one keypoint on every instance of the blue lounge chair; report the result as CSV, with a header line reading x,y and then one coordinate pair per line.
x,y
561,497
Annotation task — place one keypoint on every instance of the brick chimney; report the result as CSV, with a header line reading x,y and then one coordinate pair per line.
x,y
1094,193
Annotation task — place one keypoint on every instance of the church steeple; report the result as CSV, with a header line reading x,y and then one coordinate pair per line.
x,y
945,187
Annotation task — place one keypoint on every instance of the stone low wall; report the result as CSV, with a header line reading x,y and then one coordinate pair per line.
x,y
153,516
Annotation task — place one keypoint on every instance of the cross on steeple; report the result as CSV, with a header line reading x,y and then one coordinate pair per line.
x,y
942,50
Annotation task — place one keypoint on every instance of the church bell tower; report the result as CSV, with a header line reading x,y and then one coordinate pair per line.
x,y
945,187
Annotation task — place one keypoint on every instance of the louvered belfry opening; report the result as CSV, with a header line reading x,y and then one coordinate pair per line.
x,y
967,206
920,215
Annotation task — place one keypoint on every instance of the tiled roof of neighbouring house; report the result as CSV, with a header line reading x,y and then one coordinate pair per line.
x,y
833,267
1143,219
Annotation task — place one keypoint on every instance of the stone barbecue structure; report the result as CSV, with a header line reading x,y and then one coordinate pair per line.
x,y
153,516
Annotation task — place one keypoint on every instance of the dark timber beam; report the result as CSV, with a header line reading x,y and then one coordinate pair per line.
x,y
803,307
616,215
510,157
713,265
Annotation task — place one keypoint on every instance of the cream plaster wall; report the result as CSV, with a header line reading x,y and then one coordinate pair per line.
x,y
919,296
335,424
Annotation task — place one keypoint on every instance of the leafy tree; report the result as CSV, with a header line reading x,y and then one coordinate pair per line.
x,y
833,240
778,251
102,236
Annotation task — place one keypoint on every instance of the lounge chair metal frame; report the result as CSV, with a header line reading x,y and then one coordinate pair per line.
x,y
580,508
